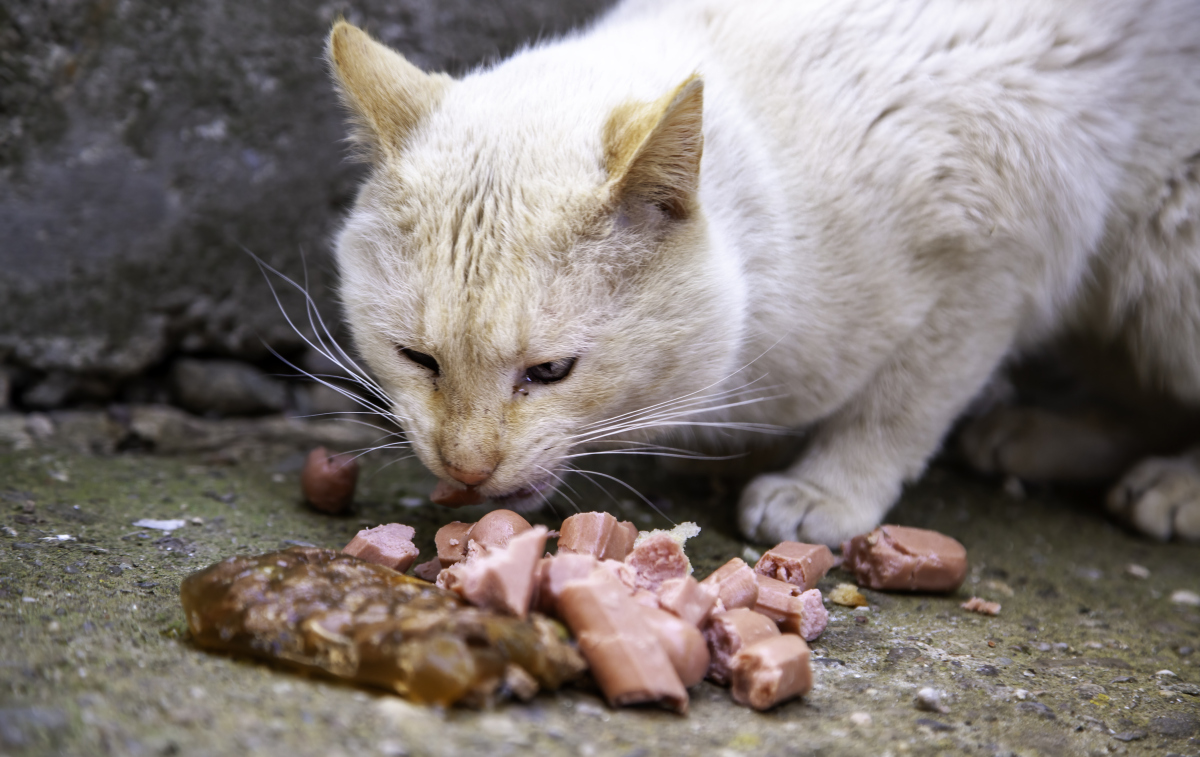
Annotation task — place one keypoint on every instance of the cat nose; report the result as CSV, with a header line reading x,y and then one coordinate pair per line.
x,y
468,477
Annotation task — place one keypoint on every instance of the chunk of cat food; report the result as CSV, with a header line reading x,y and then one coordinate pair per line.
x,y
328,481
555,572
598,534
910,559
687,599
428,571
500,578
657,558
728,632
735,584
848,595
794,610
497,527
625,657
684,644
398,633
451,542
390,545
772,671
452,496
796,563
981,606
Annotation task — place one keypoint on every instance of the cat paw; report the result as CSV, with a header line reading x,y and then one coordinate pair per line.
x,y
1161,498
776,508
1037,445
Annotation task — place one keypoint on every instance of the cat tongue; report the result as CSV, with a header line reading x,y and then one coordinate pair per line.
x,y
451,496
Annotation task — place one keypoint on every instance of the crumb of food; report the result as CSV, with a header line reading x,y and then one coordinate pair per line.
x,y
1185,597
847,595
680,533
930,700
860,719
981,606
1137,571
328,481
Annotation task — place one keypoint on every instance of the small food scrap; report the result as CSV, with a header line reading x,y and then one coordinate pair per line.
x,y
930,700
796,611
449,495
499,578
735,584
597,534
498,527
687,599
451,542
328,481
681,533
772,671
847,595
683,643
1185,597
428,571
623,653
728,632
1137,571
795,563
910,559
329,612
390,545
160,525
657,558
981,606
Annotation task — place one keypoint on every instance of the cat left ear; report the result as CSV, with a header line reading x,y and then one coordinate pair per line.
x,y
652,150
387,95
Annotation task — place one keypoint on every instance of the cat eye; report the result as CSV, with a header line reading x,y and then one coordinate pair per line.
x,y
548,373
421,359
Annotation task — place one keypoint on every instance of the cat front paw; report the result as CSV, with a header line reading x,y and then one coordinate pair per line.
x,y
776,508
1160,497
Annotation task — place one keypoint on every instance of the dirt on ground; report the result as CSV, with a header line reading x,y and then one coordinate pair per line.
x,y
1093,652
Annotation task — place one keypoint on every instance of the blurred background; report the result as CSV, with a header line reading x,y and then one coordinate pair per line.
x,y
146,148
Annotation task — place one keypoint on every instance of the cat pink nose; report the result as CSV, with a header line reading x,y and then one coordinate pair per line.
x,y
468,477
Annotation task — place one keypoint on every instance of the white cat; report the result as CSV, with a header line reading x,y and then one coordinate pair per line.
x,y
864,205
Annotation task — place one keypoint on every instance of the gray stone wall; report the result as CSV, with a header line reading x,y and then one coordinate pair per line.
x,y
146,145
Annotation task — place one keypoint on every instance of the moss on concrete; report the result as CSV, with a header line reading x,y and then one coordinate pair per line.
x,y
94,657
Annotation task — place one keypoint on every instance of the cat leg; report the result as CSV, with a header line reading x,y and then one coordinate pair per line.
x,y
1160,497
854,467
1036,444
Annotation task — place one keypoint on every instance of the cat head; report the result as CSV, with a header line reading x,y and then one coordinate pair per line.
x,y
526,261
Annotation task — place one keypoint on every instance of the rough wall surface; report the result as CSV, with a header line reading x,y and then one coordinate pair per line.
x,y
145,146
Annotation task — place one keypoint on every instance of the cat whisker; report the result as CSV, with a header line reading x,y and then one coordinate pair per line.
x,y
346,363
685,400
642,497
563,482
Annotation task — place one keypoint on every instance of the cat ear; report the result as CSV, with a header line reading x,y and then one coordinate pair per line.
x,y
652,150
387,95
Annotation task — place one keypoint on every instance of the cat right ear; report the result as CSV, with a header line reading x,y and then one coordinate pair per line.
x,y
652,150
386,94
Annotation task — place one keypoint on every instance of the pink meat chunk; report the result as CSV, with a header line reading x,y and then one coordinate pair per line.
x,y
656,559
499,579
728,632
772,671
598,534
735,585
686,598
800,564
390,545
622,651
910,559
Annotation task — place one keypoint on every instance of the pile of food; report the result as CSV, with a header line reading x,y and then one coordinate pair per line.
x,y
479,620
486,616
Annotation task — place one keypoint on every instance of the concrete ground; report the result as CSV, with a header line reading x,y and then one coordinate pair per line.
x,y
1087,657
